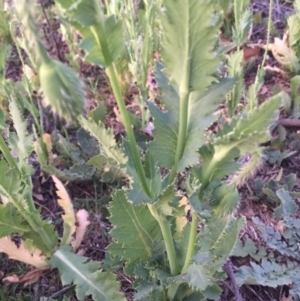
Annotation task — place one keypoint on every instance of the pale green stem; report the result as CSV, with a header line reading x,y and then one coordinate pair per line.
x,y
183,122
192,242
164,225
190,252
168,239
6,153
121,105
30,30
27,214
126,122
32,109
268,32
236,20
13,164
107,7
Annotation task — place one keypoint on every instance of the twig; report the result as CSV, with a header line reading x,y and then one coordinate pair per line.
x,y
228,269
62,291
289,122
51,31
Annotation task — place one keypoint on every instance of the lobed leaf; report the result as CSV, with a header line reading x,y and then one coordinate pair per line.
x,y
190,36
68,217
89,280
197,277
106,139
22,253
24,142
166,123
135,231
96,30
235,69
11,221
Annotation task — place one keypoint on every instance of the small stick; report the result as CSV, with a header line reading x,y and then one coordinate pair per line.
x,y
229,270
51,31
289,122
62,291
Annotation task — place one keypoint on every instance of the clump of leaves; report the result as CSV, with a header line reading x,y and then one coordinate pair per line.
x,y
158,245
276,263
286,50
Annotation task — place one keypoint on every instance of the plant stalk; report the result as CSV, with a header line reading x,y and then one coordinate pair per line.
x,y
192,242
168,239
183,122
127,124
27,214
6,153
111,73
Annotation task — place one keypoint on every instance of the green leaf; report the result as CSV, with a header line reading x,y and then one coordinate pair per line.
x,y
245,134
136,194
23,144
197,277
113,35
96,30
88,143
98,114
9,180
225,200
225,245
106,139
77,172
34,235
288,205
108,169
190,35
182,245
258,118
11,221
84,12
64,147
135,230
89,280
201,107
252,99
295,83
269,273
235,69
243,26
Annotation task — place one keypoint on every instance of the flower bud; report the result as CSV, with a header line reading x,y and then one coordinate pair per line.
x,y
63,89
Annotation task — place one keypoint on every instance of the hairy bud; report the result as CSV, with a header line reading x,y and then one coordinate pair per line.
x,y
63,89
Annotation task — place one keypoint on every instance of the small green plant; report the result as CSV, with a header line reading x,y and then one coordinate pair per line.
x,y
276,263
168,255
237,20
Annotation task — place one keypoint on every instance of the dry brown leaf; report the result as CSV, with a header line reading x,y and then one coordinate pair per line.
x,y
276,70
280,227
48,142
181,221
38,149
82,223
28,278
184,202
251,52
264,90
65,202
21,253
12,279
